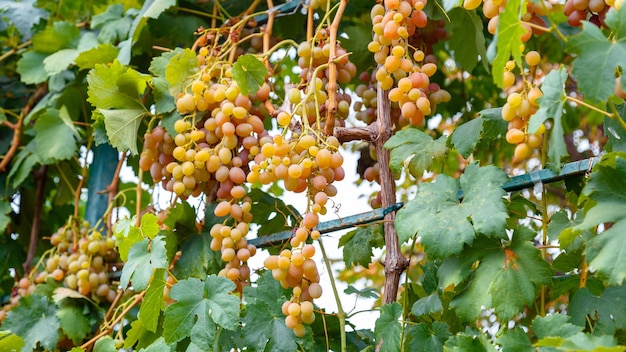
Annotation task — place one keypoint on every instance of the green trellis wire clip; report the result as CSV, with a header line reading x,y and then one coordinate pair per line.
x,y
516,183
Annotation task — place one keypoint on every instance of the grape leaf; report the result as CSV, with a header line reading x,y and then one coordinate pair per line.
x,y
126,235
551,106
444,222
388,329
149,225
604,54
607,253
22,14
139,337
122,126
462,342
10,342
182,217
44,330
615,132
158,346
515,340
30,67
153,303
554,325
357,244
157,7
249,73
199,307
509,43
114,25
180,70
466,136
506,278
60,35
74,322
416,145
427,305
54,139
264,323
367,292
427,337
606,190
271,213
466,38
104,344
143,258
5,219
102,54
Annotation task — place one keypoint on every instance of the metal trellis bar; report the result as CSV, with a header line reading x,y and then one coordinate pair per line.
x,y
516,183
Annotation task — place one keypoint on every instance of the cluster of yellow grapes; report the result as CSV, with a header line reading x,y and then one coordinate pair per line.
x,y
296,270
313,58
80,259
404,70
519,108
531,20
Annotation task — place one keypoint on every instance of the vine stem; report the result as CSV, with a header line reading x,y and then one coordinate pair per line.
x,y
40,177
17,131
14,50
332,69
395,262
580,102
341,314
138,298
267,34
112,189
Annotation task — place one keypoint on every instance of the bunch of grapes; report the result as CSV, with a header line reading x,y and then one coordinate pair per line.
x,y
313,57
404,69
519,108
532,20
80,259
592,10
296,270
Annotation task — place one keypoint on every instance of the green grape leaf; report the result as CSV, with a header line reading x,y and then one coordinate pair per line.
x,y
59,61
163,100
30,67
153,303
554,325
114,25
417,147
264,323
615,132
388,329
182,217
126,235
551,106
43,331
586,342
105,344
446,223
149,225
271,213
102,54
116,92
249,73
357,244
5,219
464,341
593,49
427,337
10,342
197,249
60,35
367,292
466,38
427,305
466,136
180,69
158,346
199,307
54,139
143,258
605,253
74,322
606,188
140,337
122,126
506,278
509,43
515,340
157,7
